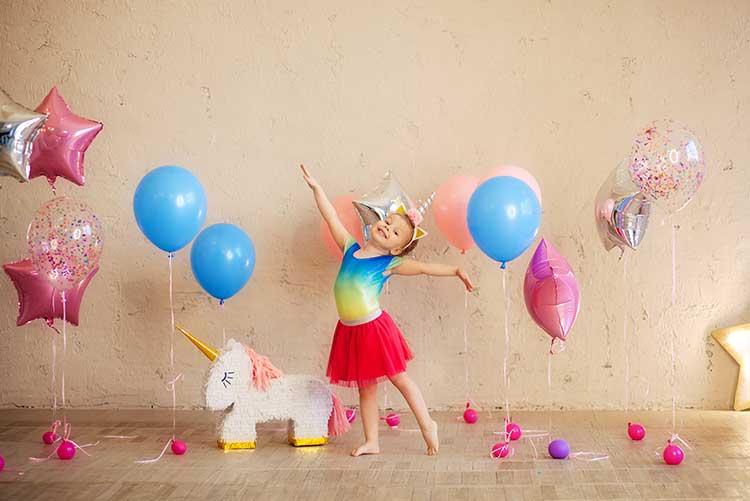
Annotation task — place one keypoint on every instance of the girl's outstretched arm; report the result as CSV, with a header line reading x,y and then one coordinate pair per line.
x,y
326,209
413,267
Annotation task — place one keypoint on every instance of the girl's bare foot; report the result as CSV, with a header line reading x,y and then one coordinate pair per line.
x,y
431,437
366,448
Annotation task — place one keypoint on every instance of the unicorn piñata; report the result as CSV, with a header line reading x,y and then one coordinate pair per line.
x,y
250,390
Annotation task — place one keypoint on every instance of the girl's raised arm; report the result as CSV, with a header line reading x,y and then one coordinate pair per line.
x,y
326,209
413,267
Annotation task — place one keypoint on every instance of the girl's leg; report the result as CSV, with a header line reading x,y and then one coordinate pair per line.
x,y
414,398
368,408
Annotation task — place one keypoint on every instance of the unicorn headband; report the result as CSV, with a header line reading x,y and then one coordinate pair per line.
x,y
389,197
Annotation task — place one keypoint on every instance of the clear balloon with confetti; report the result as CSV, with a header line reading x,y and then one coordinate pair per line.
x,y
667,164
65,241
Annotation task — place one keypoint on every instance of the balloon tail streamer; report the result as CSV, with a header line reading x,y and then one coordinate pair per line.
x,y
549,392
466,346
674,331
625,335
506,376
67,429
171,386
64,357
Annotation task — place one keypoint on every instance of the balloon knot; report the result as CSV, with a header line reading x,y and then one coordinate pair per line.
x,y
221,302
170,255
502,266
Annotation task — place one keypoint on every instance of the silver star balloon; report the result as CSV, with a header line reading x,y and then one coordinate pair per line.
x,y
18,128
386,198
621,211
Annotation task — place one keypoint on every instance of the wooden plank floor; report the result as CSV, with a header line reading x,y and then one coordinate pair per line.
x,y
718,467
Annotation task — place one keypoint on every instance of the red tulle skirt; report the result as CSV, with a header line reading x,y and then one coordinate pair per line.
x,y
366,354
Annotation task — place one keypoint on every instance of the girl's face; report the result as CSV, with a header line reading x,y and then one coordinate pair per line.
x,y
393,233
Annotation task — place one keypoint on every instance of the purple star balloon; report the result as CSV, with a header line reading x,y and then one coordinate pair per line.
x,y
38,299
60,146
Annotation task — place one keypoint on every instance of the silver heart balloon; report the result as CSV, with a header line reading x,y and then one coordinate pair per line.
x,y
18,129
621,211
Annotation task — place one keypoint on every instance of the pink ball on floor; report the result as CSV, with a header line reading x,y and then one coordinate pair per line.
x,y
471,416
2,463
500,450
673,455
636,431
179,447
392,420
49,437
513,431
351,415
66,450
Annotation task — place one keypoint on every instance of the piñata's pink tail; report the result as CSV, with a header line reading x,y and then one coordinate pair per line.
x,y
337,423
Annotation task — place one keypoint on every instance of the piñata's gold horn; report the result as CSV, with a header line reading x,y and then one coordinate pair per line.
x,y
211,353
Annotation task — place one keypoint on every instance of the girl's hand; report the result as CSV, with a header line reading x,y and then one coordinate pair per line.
x,y
311,181
461,274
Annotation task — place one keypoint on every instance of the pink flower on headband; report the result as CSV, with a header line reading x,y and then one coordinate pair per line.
x,y
415,217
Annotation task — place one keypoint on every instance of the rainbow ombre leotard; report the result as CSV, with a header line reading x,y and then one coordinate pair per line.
x,y
359,283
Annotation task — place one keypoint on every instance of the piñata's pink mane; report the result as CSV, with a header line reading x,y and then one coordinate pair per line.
x,y
263,370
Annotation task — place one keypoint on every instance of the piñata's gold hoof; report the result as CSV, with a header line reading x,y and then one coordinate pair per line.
x,y
306,442
232,446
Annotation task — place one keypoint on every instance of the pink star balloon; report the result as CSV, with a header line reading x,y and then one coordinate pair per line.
x,y
551,292
38,299
60,146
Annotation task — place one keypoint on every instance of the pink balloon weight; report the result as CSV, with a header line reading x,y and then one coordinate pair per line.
x,y
636,431
449,208
471,416
348,215
179,447
2,463
37,299
673,455
65,241
49,437
392,420
551,291
61,144
351,415
513,431
500,450
519,173
66,450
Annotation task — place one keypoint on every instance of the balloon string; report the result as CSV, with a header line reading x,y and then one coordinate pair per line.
x,y
673,347
223,324
53,382
506,376
171,384
625,335
549,392
67,429
64,357
466,345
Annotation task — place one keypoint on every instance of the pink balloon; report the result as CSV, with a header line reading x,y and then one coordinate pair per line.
x,y
518,173
348,215
37,299
449,207
60,146
551,292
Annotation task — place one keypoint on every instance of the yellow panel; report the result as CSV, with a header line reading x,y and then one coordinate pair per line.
x,y
305,442
230,446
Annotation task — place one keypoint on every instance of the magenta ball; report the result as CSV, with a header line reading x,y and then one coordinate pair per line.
x,y
636,431
179,447
351,415
392,420
49,437
66,450
471,416
513,431
673,455
558,449
500,450
2,463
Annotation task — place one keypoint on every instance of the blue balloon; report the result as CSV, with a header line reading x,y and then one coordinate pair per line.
x,y
222,258
170,207
503,217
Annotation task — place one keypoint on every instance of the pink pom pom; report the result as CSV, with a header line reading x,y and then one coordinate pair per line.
x,y
636,431
513,431
2,463
179,447
351,415
500,450
392,420
66,450
49,438
673,455
470,415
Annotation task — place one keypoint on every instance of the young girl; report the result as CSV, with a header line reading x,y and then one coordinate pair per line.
x,y
367,346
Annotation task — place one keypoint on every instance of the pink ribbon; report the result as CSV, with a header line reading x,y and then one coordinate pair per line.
x,y
65,438
581,456
171,387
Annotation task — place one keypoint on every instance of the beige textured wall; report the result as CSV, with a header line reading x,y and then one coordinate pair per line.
x,y
241,92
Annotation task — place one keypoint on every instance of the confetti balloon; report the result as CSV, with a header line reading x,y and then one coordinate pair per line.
x,y
65,242
667,164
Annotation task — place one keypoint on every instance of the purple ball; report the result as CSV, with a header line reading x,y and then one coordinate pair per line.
x,y
558,449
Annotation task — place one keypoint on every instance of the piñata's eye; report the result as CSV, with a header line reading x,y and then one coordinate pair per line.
x,y
227,379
